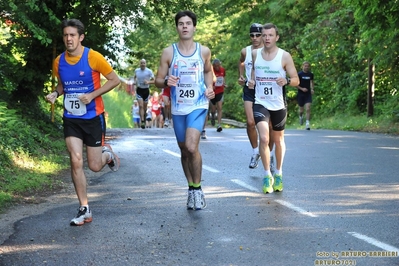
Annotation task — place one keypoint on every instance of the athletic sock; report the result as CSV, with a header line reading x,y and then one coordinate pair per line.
x,y
190,186
268,173
256,150
197,186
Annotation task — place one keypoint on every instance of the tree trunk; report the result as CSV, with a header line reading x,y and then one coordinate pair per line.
x,y
370,91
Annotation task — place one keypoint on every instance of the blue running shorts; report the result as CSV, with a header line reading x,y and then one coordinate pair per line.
x,y
195,119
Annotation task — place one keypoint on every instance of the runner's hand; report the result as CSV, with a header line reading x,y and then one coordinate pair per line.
x,y
210,93
52,97
251,84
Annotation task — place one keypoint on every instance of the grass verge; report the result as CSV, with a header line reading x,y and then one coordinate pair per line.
x,y
32,154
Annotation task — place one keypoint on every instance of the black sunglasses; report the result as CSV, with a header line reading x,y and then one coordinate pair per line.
x,y
255,35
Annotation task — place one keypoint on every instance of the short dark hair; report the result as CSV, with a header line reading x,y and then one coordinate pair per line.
x,y
269,26
76,23
185,13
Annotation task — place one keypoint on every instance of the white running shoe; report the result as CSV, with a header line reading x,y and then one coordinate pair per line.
x,y
190,200
83,216
203,134
254,161
199,199
113,162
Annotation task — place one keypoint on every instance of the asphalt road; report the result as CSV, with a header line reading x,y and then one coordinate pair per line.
x,y
340,206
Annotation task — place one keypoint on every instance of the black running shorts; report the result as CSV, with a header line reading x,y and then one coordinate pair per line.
x,y
143,94
91,131
278,118
248,95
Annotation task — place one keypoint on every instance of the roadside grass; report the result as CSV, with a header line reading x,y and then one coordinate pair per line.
x,y
29,176
382,124
32,153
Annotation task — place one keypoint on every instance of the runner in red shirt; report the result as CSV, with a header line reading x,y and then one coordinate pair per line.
x,y
218,87
166,107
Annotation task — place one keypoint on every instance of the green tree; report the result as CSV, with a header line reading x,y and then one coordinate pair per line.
x,y
378,23
35,35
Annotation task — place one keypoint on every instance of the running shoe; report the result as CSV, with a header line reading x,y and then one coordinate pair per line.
x,y
268,184
143,125
301,120
83,216
272,165
219,129
278,183
190,200
254,161
113,162
166,124
203,134
199,199
307,126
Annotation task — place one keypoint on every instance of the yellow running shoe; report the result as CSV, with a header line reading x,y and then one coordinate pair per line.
x,y
278,183
268,184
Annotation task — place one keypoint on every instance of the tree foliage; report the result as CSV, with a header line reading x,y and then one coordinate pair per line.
x,y
35,36
337,37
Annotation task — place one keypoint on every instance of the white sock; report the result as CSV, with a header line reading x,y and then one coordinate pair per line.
x,y
256,150
268,173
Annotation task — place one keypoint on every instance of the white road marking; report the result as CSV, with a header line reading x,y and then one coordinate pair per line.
x,y
245,185
295,208
374,242
282,202
208,168
172,153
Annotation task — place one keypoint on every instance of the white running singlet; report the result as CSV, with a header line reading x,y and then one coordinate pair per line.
x,y
267,92
189,94
248,62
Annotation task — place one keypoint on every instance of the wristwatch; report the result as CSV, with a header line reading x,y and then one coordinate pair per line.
x,y
288,81
165,82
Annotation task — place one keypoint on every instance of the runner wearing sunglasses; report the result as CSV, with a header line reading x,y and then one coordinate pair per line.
x,y
244,69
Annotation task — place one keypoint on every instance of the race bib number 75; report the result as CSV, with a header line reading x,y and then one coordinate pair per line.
x,y
73,105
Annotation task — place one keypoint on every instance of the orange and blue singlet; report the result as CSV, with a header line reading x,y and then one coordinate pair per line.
x,y
80,75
